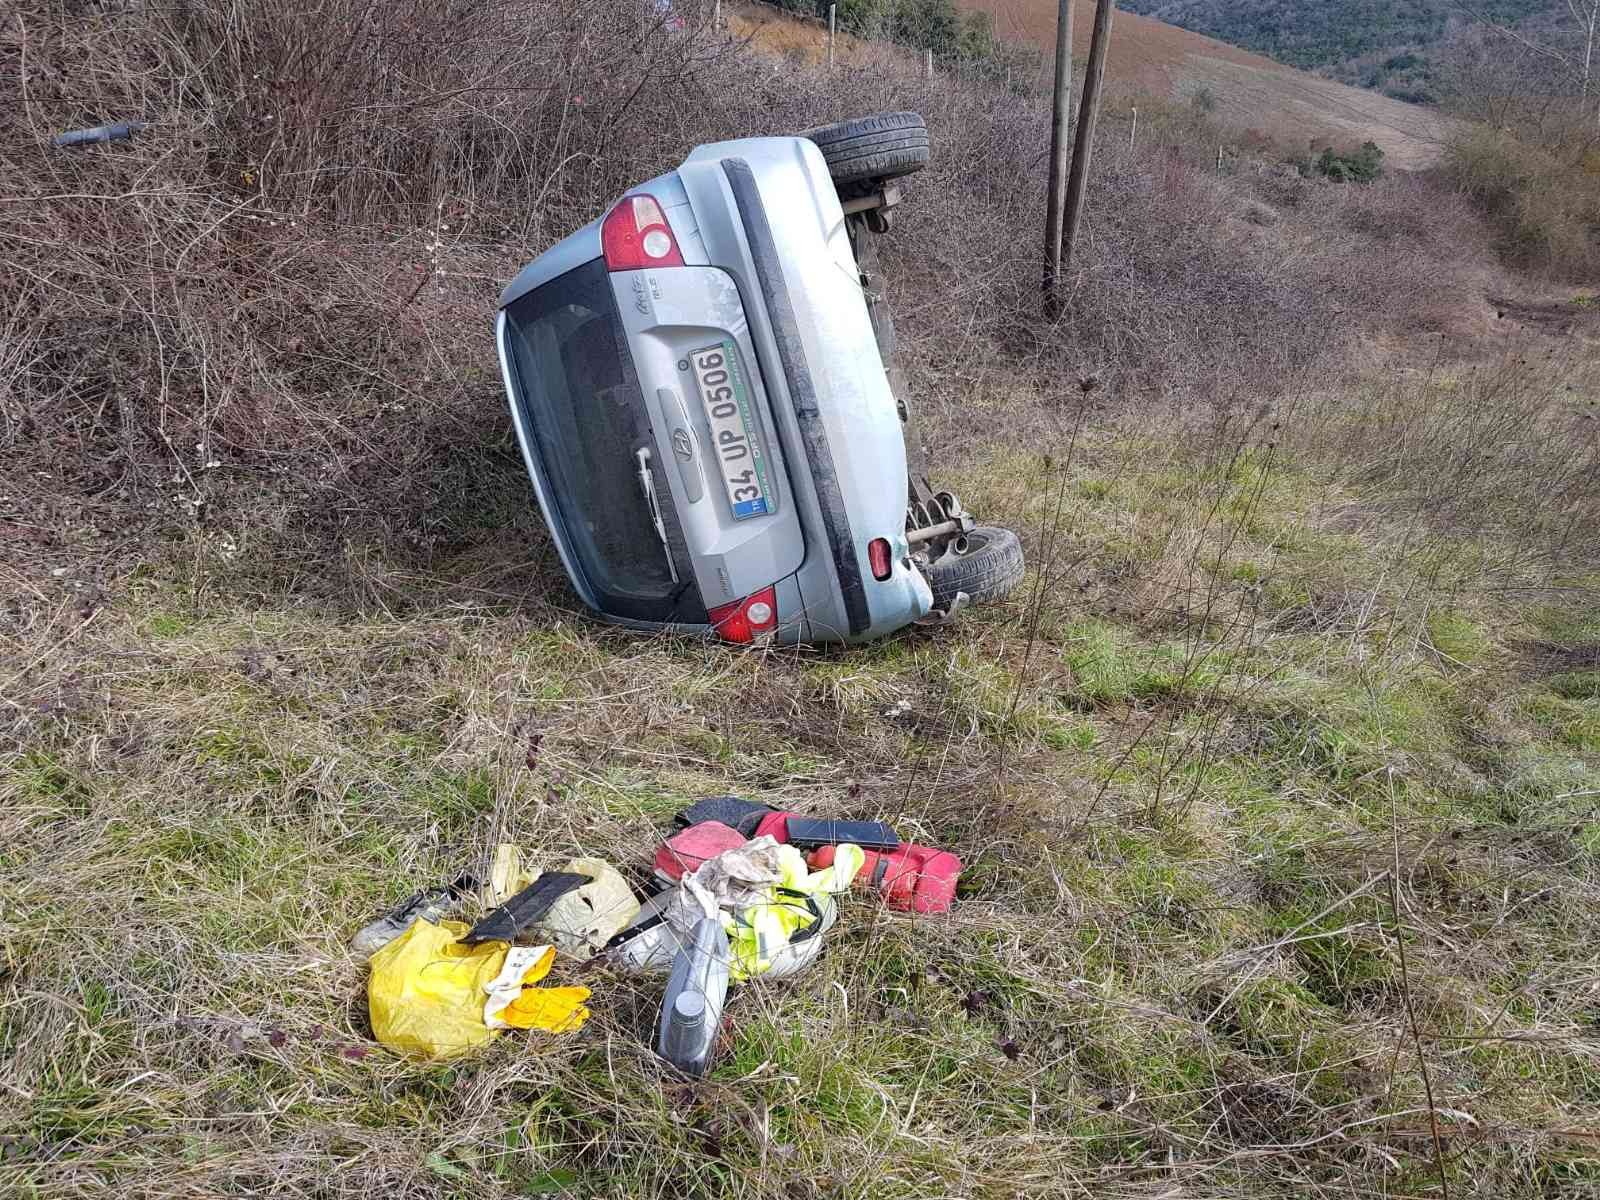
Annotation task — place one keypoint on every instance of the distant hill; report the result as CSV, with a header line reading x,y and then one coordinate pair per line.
x,y
1248,90
1385,44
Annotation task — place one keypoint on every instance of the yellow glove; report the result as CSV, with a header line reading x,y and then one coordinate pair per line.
x,y
556,1009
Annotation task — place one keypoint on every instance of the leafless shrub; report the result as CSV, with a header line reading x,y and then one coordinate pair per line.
x,y
1547,204
273,278
1530,150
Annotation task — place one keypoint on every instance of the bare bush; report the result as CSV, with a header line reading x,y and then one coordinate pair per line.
x,y
1548,205
1505,453
1531,153
275,276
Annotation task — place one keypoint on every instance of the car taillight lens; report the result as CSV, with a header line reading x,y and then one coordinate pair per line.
x,y
878,556
635,234
747,619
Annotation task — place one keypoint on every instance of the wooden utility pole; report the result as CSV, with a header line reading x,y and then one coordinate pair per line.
x,y
1088,111
832,12
1060,114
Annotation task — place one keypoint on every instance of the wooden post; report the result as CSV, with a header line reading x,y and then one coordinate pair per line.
x,y
930,63
716,14
1133,130
832,12
1088,111
1060,114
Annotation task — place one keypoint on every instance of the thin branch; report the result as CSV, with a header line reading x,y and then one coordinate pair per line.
x,y
1405,992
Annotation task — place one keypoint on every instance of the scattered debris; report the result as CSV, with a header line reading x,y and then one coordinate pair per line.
x,y
742,815
697,845
773,909
740,899
910,878
583,921
503,874
431,904
512,1004
508,922
749,819
691,1013
809,832
432,995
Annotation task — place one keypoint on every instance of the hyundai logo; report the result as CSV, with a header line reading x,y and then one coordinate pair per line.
x,y
681,445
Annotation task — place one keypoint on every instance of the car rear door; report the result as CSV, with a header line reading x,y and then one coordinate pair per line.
x,y
729,480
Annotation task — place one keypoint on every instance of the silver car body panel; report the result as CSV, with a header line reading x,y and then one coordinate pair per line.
x,y
770,270
669,314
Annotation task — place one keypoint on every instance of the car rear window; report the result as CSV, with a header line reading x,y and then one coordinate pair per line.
x,y
580,398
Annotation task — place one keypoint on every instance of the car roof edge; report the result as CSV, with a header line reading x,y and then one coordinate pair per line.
x,y
566,255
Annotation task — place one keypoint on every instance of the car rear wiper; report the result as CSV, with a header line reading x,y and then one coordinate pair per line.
x,y
649,486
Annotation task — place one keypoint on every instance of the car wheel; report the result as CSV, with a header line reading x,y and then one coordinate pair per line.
x,y
882,146
990,568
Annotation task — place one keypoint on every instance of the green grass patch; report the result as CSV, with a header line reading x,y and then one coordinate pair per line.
x,y
1162,796
1572,721
1456,636
1575,685
46,789
167,625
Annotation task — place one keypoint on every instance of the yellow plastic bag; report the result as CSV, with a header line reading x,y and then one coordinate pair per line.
x,y
426,992
429,995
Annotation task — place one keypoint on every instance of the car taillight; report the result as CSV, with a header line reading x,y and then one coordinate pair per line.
x,y
747,619
635,234
878,557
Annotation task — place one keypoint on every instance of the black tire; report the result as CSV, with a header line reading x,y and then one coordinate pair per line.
x,y
882,146
990,568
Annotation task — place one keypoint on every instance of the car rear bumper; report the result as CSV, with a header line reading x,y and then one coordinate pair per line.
x,y
824,376
802,391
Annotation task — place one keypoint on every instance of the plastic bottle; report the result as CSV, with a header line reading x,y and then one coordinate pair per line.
x,y
691,1011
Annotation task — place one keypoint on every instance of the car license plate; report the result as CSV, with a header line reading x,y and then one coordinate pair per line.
x,y
734,443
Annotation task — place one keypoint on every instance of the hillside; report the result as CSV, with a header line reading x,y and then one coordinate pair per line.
x,y
1250,91
1274,784
1371,43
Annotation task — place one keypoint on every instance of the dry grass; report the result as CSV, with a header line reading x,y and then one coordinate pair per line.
x,y
1264,685
1545,198
1309,675
773,31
